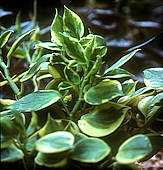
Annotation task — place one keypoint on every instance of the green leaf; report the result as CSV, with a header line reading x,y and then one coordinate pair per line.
x,y
115,139
74,49
157,143
35,67
144,104
18,23
129,87
99,41
103,120
54,160
90,150
5,141
30,142
122,61
55,142
72,24
55,71
11,154
117,73
84,41
134,149
103,92
17,44
36,100
32,127
156,101
96,67
8,128
64,86
56,29
153,77
53,125
48,46
72,76
4,37
19,53
89,51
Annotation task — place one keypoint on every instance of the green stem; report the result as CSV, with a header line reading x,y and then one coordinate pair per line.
x,y
24,164
80,98
34,13
9,79
66,109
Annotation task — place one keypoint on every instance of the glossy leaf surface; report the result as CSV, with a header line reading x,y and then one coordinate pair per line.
x,y
90,150
104,120
134,149
74,49
153,77
11,154
55,142
35,67
72,24
71,76
54,160
122,61
4,37
103,92
17,43
57,28
36,101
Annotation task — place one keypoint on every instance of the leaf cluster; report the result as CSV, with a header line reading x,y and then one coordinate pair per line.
x,y
92,116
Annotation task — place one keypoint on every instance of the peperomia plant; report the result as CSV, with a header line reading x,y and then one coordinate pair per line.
x,y
93,117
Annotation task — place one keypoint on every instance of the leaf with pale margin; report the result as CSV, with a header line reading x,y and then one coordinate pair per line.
x,y
72,24
134,149
36,101
153,77
17,44
57,28
122,61
56,142
35,67
86,150
4,37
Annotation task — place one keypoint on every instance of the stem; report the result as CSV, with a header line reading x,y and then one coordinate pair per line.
x,y
66,109
9,79
24,164
77,104
34,13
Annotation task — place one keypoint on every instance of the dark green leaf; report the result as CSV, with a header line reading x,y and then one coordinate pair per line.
x,y
4,37
32,127
90,150
72,76
56,29
103,92
118,73
74,49
35,67
17,44
122,61
104,120
11,154
36,101
134,149
72,24
49,46
54,160
153,77
55,142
